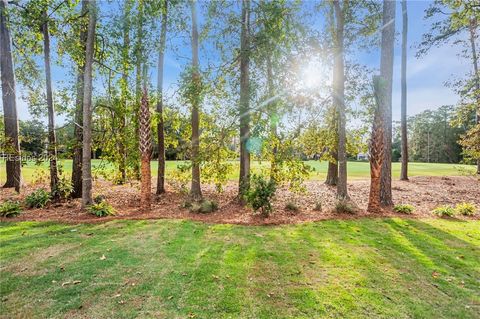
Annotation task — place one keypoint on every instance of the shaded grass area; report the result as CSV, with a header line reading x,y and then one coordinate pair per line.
x,y
356,170
366,268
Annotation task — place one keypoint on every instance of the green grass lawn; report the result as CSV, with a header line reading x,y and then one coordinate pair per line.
x,y
356,170
366,268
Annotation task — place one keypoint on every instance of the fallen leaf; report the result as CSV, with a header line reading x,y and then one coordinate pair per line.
x,y
170,297
103,257
435,274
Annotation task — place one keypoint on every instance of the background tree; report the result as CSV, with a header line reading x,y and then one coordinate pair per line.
x,y
78,121
160,125
145,151
386,75
195,98
376,148
244,105
12,145
339,97
87,107
404,169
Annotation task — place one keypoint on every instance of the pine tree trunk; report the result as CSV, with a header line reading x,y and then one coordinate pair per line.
x,y
273,123
404,170
52,140
244,180
332,173
138,78
87,108
339,100
386,74
12,147
472,29
195,190
77,131
160,125
145,152
122,148
376,150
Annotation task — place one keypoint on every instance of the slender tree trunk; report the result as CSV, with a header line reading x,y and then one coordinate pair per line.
x,y
273,123
122,148
244,181
386,74
77,131
160,125
52,140
376,150
339,100
195,191
404,170
14,176
87,108
473,28
145,152
138,77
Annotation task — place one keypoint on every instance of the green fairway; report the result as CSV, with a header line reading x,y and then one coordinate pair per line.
x,y
367,268
356,170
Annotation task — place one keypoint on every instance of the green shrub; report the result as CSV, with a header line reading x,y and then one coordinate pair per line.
x,y
98,199
10,209
344,207
203,207
403,208
292,207
63,189
466,209
38,199
260,194
445,210
101,209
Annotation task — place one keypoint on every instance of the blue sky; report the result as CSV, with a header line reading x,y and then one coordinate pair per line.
x,y
426,76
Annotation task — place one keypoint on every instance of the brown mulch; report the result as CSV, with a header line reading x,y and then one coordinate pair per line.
x,y
424,193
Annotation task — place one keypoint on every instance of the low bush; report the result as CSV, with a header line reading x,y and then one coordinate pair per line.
x,y
465,209
344,207
444,210
260,194
204,207
403,208
38,199
63,189
101,209
290,206
10,209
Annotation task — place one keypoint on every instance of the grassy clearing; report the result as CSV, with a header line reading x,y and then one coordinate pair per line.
x,y
368,268
356,170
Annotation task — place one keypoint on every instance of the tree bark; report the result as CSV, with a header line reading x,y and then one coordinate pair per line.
x,y
376,150
87,108
195,190
273,123
386,75
139,57
145,152
12,147
244,180
160,125
339,99
52,140
472,29
332,173
404,170
77,131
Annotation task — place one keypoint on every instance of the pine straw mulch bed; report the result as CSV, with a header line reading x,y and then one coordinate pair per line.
x,y
424,193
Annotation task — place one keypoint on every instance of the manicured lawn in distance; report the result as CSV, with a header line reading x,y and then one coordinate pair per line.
x,y
356,170
367,268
